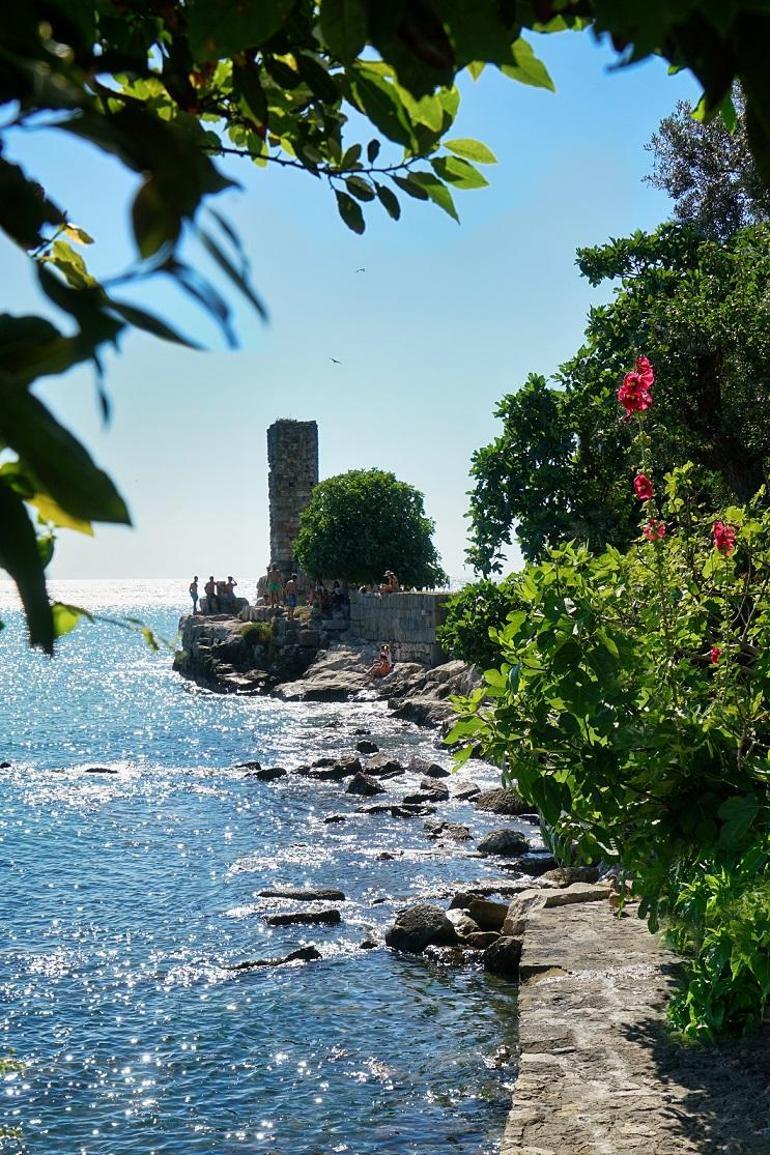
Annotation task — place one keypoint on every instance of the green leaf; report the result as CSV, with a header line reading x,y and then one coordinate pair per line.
x,y
388,200
454,170
318,80
437,192
75,233
407,185
65,618
471,150
360,188
350,212
218,28
24,207
343,28
526,67
229,269
72,265
738,814
20,558
50,511
372,151
60,463
157,221
248,90
140,319
379,99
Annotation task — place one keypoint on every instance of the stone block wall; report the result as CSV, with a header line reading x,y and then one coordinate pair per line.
x,y
292,456
407,621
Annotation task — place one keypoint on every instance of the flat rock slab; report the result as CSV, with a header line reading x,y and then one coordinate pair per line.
x,y
312,917
598,1073
303,894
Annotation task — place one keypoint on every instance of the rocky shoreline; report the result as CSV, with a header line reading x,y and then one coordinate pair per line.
x,y
304,661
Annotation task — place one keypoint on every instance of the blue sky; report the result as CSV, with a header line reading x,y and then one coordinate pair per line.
x,y
444,320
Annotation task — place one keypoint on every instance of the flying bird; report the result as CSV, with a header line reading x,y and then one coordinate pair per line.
x,y
334,359
362,270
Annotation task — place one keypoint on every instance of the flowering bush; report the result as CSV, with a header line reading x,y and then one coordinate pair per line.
x,y
631,706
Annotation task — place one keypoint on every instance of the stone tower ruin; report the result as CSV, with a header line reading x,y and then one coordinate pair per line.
x,y
292,458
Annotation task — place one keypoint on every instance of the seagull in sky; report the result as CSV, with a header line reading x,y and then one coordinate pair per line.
x,y
334,359
362,270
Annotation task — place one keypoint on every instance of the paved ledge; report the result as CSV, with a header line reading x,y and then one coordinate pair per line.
x,y
598,1074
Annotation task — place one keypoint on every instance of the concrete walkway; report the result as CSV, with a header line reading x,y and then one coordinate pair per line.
x,y
598,1073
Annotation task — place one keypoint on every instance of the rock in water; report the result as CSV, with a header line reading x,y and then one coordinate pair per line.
x,y
435,788
502,958
363,784
418,765
327,917
502,801
366,747
101,770
269,773
504,841
418,927
303,894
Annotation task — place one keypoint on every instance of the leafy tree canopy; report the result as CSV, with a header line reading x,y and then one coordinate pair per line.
x,y
700,311
473,618
166,87
361,523
708,170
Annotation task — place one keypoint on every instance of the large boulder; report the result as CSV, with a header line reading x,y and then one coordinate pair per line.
x,y
501,801
420,926
426,768
437,789
527,901
488,915
505,841
381,766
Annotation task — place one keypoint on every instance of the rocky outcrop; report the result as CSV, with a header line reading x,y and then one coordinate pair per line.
x,y
502,800
363,784
504,841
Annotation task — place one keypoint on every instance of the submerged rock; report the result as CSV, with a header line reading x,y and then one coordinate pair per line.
x,y
101,770
313,917
504,841
437,828
269,773
366,747
5,765
451,956
253,765
336,818
303,954
422,796
303,894
420,926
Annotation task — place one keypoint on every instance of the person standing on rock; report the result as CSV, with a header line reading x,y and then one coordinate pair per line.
x,y
291,595
194,593
230,585
274,585
210,591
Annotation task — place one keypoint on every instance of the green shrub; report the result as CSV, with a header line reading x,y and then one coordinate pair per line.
x,y
471,614
632,707
258,633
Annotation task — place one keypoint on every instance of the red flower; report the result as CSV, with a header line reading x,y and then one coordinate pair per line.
x,y
634,395
643,487
654,530
724,537
714,654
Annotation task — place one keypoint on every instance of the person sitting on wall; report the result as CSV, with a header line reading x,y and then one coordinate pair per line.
x,y
390,585
383,664
210,590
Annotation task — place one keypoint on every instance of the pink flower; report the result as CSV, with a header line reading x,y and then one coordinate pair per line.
x,y
654,530
635,393
714,654
643,487
724,537
645,372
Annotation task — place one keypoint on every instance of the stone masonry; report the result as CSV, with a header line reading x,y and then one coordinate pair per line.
x,y
292,457
407,621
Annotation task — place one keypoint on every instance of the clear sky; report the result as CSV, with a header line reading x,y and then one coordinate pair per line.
x,y
444,320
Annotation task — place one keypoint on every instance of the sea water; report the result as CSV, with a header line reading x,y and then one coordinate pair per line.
x,y
126,896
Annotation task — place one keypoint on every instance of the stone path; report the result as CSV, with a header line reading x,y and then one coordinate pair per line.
x,y
598,1073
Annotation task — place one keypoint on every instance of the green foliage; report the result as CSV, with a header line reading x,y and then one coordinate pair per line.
x,y
706,167
478,610
559,469
631,706
167,88
363,522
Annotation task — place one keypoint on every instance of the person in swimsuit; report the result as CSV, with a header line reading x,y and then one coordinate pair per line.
x,y
274,585
291,595
210,590
382,664
194,593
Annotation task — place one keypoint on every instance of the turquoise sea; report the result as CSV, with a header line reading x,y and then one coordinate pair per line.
x,y
124,896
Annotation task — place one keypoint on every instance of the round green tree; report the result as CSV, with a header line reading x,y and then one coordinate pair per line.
x,y
363,522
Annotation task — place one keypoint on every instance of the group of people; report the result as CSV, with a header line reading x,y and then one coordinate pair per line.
x,y
220,595
278,592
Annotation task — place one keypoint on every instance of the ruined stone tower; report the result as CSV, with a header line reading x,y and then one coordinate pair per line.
x,y
292,457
